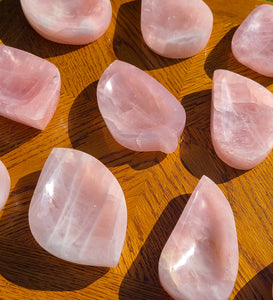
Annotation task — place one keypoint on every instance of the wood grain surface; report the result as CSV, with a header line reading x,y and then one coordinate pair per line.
x,y
156,186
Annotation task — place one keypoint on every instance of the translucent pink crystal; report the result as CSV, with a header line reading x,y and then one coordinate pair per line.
x,y
29,87
176,28
241,120
252,43
140,113
4,184
69,21
200,258
78,211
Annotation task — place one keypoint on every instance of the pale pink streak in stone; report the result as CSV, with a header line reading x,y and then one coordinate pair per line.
x,y
200,258
29,87
140,113
4,184
241,120
252,43
75,22
176,28
78,211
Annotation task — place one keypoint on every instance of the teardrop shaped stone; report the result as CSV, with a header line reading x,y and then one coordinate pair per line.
x,y
176,28
200,258
252,43
29,87
241,120
140,113
69,22
4,184
78,211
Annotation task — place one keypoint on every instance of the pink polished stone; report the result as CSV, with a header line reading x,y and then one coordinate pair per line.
x,y
241,120
29,87
140,113
252,43
176,28
69,21
4,184
200,258
78,211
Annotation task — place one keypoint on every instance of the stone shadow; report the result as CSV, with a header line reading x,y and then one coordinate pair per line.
x,y
259,287
128,42
88,132
196,150
221,57
16,32
23,262
142,280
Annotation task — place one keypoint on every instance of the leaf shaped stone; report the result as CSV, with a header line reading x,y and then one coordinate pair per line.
x,y
29,87
176,28
200,258
252,43
78,211
69,22
4,184
241,120
140,113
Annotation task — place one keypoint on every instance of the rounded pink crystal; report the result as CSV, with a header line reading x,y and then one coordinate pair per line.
x,y
5,185
29,87
241,120
176,28
200,258
252,43
69,21
78,211
140,113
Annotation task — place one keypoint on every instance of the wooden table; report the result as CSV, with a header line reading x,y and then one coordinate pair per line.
x,y
156,186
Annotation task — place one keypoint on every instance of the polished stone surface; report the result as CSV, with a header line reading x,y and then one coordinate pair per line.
x,y
140,113
241,120
176,28
78,211
4,184
252,43
200,258
75,22
29,87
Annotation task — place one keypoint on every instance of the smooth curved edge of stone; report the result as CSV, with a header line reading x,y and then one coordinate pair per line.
x,y
173,135
111,263
235,45
184,52
5,179
172,289
242,162
50,104
66,39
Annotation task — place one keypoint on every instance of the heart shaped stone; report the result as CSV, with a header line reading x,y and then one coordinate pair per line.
x,y
241,120
69,22
29,87
200,258
78,211
252,43
140,113
176,28
4,184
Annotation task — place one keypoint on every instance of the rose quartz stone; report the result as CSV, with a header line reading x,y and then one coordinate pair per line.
x,y
176,28
252,43
78,211
241,120
75,22
140,113
4,184
200,258
29,87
